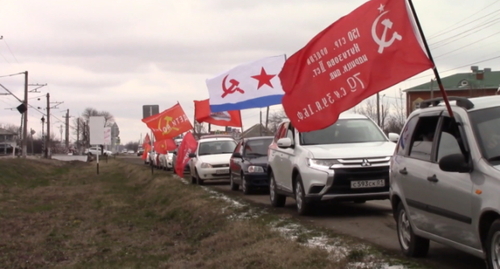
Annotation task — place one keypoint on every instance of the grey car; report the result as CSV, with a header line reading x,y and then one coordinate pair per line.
x,y
445,178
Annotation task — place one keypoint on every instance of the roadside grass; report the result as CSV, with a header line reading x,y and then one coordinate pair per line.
x,y
63,215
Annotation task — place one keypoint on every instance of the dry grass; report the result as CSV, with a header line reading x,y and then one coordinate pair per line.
x,y
63,215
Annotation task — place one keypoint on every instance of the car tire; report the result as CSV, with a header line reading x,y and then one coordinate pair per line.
x,y
234,186
492,243
244,185
411,244
277,200
199,181
303,207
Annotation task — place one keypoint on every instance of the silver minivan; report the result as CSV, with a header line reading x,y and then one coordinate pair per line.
x,y
445,178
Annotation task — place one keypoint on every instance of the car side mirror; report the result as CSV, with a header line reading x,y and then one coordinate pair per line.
x,y
284,143
192,155
393,137
454,163
236,155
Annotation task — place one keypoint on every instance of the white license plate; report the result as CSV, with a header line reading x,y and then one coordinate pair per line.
x,y
222,171
358,184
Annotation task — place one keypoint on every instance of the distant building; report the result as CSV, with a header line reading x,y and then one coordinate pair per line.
x,y
7,142
473,84
256,130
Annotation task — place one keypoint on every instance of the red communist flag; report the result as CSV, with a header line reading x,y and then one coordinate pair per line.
x,y
188,145
146,141
163,146
364,52
147,148
169,123
202,113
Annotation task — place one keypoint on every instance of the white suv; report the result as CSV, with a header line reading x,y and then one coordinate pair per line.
x,y
347,161
210,161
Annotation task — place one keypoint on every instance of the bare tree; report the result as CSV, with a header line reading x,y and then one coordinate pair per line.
x,y
82,130
397,117
275,118
369,109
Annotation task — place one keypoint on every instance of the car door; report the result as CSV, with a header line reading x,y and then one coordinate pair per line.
x,y
193,160
288,158
413,168
277,156
235,163
450,193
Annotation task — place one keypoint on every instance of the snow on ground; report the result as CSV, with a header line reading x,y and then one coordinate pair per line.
x,y
334,246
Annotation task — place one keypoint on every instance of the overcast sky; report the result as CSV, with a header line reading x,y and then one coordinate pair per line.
x,y
120,55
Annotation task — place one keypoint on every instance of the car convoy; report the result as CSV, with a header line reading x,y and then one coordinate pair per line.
x,y
441,174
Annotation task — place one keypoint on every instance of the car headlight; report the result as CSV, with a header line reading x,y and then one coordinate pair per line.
x,y
205,165
321,163
255,169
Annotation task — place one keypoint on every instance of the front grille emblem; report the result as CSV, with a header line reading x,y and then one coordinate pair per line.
x,y
366,163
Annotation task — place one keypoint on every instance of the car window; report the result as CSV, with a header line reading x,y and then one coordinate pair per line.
x,y
423,137
486,126
280,133
345,131
256,148
216,147
405,138
238,147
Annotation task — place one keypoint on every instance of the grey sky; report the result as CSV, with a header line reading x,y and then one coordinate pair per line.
x,y
120,55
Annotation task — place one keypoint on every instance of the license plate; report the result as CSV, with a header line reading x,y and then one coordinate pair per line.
x,y
222,171
358,184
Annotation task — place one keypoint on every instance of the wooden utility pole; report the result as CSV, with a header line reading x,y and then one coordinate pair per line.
x,y
47,141
25,120
267,116
378,109
67,129
260,125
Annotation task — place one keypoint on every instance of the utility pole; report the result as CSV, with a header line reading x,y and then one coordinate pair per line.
x,y
78,134
60,131
67,129
260,126
267,116
25,126
47,141
378,109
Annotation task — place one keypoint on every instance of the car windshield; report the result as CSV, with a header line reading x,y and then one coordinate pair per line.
x,y
344,131
486,127
216,147
257,147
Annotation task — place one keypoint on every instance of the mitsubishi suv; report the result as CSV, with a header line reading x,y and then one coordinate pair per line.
x,y
347,161
445,178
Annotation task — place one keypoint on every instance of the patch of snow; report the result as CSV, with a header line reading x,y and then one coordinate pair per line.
x,y
334,246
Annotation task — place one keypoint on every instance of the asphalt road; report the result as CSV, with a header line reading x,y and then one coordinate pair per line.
x,y
372,222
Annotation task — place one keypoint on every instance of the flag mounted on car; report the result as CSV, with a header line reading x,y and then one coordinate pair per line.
x,y
362,53
251,85
169,123
202,113
165,145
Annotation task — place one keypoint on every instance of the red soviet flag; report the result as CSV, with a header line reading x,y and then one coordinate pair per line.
x,y
146,141
367,51
202,113
147,148
188,145
163,146
169,123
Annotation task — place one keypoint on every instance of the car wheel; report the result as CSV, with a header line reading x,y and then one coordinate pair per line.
x,y
234,186
411,244
493,246
277,200
303,207
199,181
244,185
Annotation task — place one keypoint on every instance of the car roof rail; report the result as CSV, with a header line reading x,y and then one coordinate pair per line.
x,y
463,102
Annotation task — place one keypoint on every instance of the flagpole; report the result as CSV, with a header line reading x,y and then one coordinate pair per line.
x,y
434,68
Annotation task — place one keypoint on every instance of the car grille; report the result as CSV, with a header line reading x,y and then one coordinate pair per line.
x,y
343,177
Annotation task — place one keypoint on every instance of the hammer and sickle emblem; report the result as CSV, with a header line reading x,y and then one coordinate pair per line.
x,y
233,88
382,42
168,120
